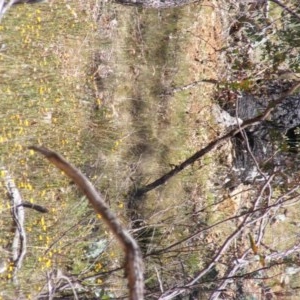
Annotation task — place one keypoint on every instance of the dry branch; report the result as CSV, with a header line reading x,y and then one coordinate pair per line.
x,y
255,219
17,210
279,3
133,258
256,214
34,206
157,3
4,7
217,142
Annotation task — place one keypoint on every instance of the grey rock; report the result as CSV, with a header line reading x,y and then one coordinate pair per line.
x,y
265,140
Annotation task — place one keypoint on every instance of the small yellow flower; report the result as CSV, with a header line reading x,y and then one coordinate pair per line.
x,y
21,185
98,102
29,187
98,267
48,263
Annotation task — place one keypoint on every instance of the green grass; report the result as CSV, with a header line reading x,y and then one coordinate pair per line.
x,y
44,78
93,93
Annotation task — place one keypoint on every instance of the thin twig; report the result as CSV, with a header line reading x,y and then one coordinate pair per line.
x,y
249,218
286,8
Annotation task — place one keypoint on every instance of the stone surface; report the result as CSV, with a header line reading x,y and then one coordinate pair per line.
x,y
264,144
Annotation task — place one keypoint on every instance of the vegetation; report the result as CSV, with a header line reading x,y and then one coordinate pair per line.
x,y
101,83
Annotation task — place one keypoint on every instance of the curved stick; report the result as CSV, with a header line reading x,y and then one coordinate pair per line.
x,y
133,257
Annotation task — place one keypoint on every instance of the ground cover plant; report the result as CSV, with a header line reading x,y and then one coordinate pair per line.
x,y
127,94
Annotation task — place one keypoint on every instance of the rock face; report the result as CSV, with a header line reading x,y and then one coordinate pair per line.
x,y
269,142
222,117
287,115
284,117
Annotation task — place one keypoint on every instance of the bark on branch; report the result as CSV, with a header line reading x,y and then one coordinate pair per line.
x,y
133,258
217,142
18,215
160,4
36,207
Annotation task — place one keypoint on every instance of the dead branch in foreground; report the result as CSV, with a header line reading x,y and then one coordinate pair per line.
x,y
214,144
133,257
256,219
34,206
250,218
18,215
157,3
